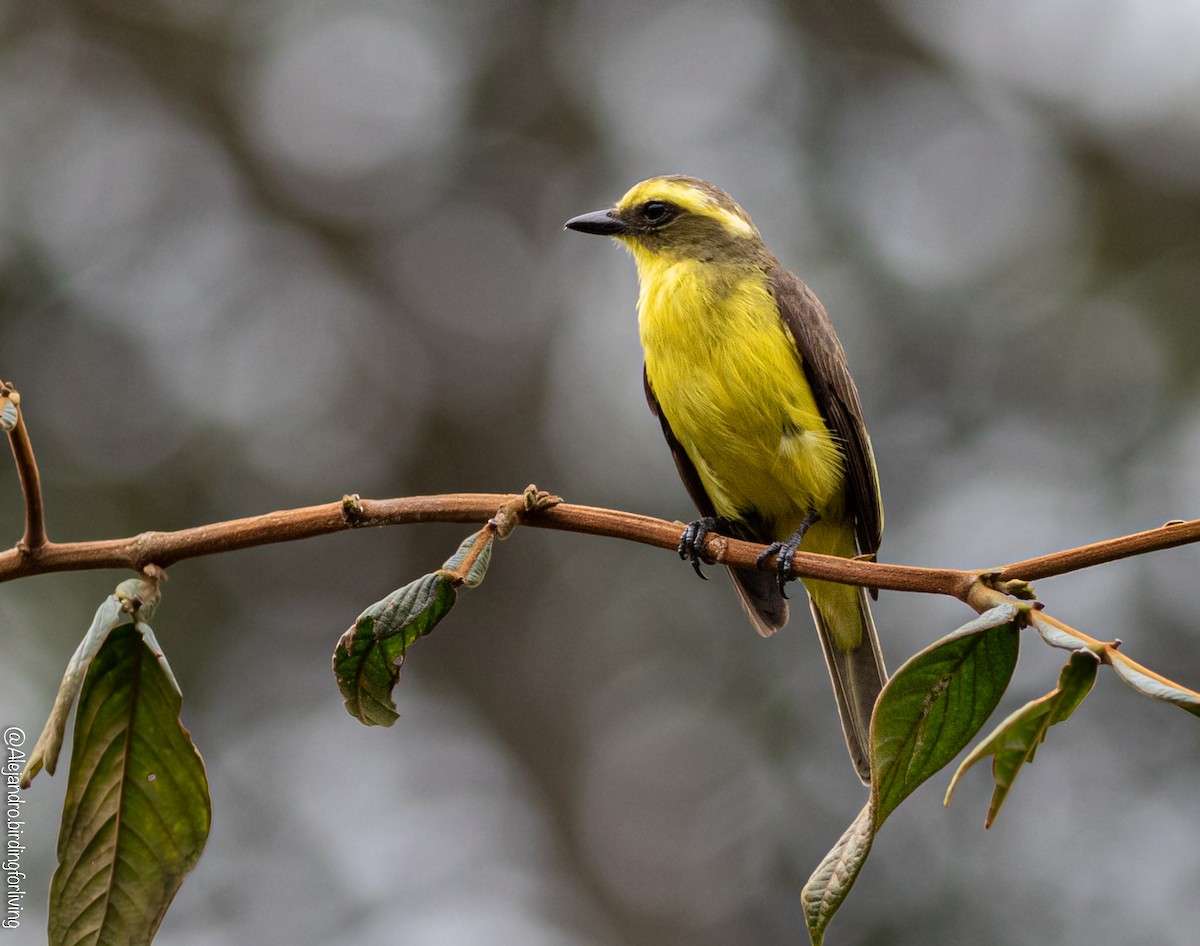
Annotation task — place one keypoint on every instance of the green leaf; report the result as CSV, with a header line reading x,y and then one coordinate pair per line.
x,y
137,811
1014,742
366,661
109,615
134,600
8,415
927,712
1151,684
1145,681
830,883
1057,634
477,567
152,642
936,703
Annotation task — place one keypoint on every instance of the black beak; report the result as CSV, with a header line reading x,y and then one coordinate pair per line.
x,y
602,222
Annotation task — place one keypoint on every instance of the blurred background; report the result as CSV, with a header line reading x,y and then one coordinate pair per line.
x,y
259,254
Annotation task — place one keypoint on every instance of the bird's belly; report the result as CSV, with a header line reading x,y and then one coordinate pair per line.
x,y
742,409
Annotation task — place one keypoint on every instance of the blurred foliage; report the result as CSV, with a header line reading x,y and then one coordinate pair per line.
x,y
261,254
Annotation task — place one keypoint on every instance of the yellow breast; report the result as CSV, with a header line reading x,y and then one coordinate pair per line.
x,y
729,380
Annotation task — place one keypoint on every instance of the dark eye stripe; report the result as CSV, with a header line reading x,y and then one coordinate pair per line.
x,y
657,212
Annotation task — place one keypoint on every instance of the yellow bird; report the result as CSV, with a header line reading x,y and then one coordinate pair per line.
x,y
750,383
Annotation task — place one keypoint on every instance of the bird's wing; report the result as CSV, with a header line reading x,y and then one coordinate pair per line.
x,y
824,364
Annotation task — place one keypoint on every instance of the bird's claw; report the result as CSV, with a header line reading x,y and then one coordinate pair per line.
x,y
691,543
785,552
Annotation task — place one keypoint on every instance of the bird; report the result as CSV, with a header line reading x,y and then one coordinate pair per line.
x,y
751,386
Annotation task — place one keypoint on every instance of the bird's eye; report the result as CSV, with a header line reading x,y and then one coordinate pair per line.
x,y
657,212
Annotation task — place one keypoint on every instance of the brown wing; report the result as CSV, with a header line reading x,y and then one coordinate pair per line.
x,y
825,367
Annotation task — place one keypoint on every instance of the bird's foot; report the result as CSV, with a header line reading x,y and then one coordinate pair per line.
x,y
785,551
691,543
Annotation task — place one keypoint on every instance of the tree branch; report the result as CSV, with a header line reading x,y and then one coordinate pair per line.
x,y
167,548
1172,534
35,554
27,472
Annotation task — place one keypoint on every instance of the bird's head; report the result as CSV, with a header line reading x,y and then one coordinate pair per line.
x,y
678,218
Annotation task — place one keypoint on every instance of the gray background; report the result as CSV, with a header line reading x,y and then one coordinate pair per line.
x,y
259,254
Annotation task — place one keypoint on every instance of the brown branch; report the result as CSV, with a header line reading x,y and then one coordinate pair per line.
x,y
35,554
167,548
1167,536
727,551
27,472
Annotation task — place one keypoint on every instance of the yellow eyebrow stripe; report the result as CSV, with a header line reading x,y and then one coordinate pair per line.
x,y
690,198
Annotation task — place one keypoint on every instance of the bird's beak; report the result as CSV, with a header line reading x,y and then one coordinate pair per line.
x,y
602,222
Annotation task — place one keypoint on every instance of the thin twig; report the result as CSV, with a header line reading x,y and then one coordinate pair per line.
x,y
27,472
1164,537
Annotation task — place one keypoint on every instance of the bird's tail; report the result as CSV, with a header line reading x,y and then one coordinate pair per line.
x,y
858,675
761,599
857,672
